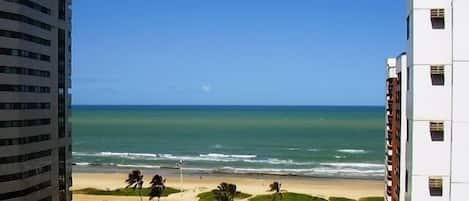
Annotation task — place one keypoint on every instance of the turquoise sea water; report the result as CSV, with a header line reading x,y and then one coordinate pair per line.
x,y
313,141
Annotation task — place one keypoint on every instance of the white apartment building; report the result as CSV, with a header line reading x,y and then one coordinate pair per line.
x,y
35,67
436,114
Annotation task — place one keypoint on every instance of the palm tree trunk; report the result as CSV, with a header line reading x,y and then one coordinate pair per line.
x,y
140,194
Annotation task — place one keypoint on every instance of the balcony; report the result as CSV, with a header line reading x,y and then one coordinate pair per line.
x,y
389,191
389,146
390,117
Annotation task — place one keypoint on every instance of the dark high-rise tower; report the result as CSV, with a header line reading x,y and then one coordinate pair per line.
x,y
35,69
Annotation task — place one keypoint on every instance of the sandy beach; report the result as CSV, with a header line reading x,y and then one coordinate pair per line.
x,y
252,184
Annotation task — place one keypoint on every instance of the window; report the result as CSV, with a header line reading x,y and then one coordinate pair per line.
x,y
408,27
62,101
406,181
24,19
24,192
436,186
62,168
32,5
23,71
24,140
437,131
62,8
25,175
24,123
24,88
408,78
24,53
24,106
408,130
438,75
438,18
25,157
25,37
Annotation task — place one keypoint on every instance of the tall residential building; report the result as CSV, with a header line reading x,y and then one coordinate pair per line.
x,y
436,114
396,127
35,67
391,129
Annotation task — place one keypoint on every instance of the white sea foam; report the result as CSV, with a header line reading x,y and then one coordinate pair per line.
x,y
83,164
319,171
353,165
339,157
128,154
139,166
344,172
275,161
208,170
216,155
328,171
115,154
286,167
150,156
243,156
352,151
193,158
313,150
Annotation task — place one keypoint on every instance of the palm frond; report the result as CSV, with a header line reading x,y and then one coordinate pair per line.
x,y
134,179
157,187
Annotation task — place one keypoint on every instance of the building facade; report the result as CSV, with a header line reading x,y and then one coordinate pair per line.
x,y
436,114
396,127
35,71
391,129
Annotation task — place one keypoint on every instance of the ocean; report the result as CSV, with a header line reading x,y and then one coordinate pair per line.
x,y
317,141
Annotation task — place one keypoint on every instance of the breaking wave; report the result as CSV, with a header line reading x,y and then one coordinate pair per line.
x,y
259,165
352,151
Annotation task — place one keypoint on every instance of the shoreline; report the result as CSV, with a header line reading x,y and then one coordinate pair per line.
x,y
198,172
195,183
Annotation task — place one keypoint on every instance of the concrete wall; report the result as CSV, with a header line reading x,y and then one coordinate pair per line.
x,y
426,102
460,162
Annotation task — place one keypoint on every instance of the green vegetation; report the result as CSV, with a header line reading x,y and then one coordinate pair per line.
x,y
304,197
224,192
124,191
210,196
288,197
372,199
340,199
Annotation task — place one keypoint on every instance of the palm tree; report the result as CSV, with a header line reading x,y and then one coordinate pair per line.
x,y
135,179
225,192
276,187
157,187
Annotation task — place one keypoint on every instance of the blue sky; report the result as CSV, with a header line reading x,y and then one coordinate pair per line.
x,y
234,52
